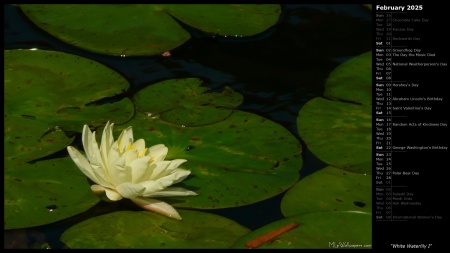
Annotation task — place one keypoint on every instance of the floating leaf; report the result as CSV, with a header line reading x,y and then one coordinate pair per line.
x,y
185,102
236,20
146,29
56,88
368,6
320,230
147,230
352,80
329,189
241,160
45,192
338,133
28,139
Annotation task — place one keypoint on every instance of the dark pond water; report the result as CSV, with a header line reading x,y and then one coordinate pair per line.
x,y
277,71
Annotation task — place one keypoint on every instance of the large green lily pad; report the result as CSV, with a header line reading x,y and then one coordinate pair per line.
x,y
236,20
185,102
238,161
352,80
368,6
147,230
45,192
320,230
338,133
329,189
146,29
28,139
56,88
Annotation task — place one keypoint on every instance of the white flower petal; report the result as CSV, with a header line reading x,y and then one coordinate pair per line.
x,y
125,138
113,154
107,141
171,192
93,153
115,147
157,206
113,195
119,172
181,174
82,163
160,170
153,186
141,170
174,164
158,152
87,144
105,193
165,168
176,176
130,190
130,156
157,148
139,145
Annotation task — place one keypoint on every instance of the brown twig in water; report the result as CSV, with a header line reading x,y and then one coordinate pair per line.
x,y
254,243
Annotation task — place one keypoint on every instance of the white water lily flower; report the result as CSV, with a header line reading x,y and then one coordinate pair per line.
x,y
126,169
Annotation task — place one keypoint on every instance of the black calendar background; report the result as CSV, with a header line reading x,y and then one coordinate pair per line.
x,y
430,187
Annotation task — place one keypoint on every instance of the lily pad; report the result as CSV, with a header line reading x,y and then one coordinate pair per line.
x,y
329,189
238,161
146,29
236,20
57,88
319,230
45,192
338,133
147,230
185,102
28,139
368,6
352,80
